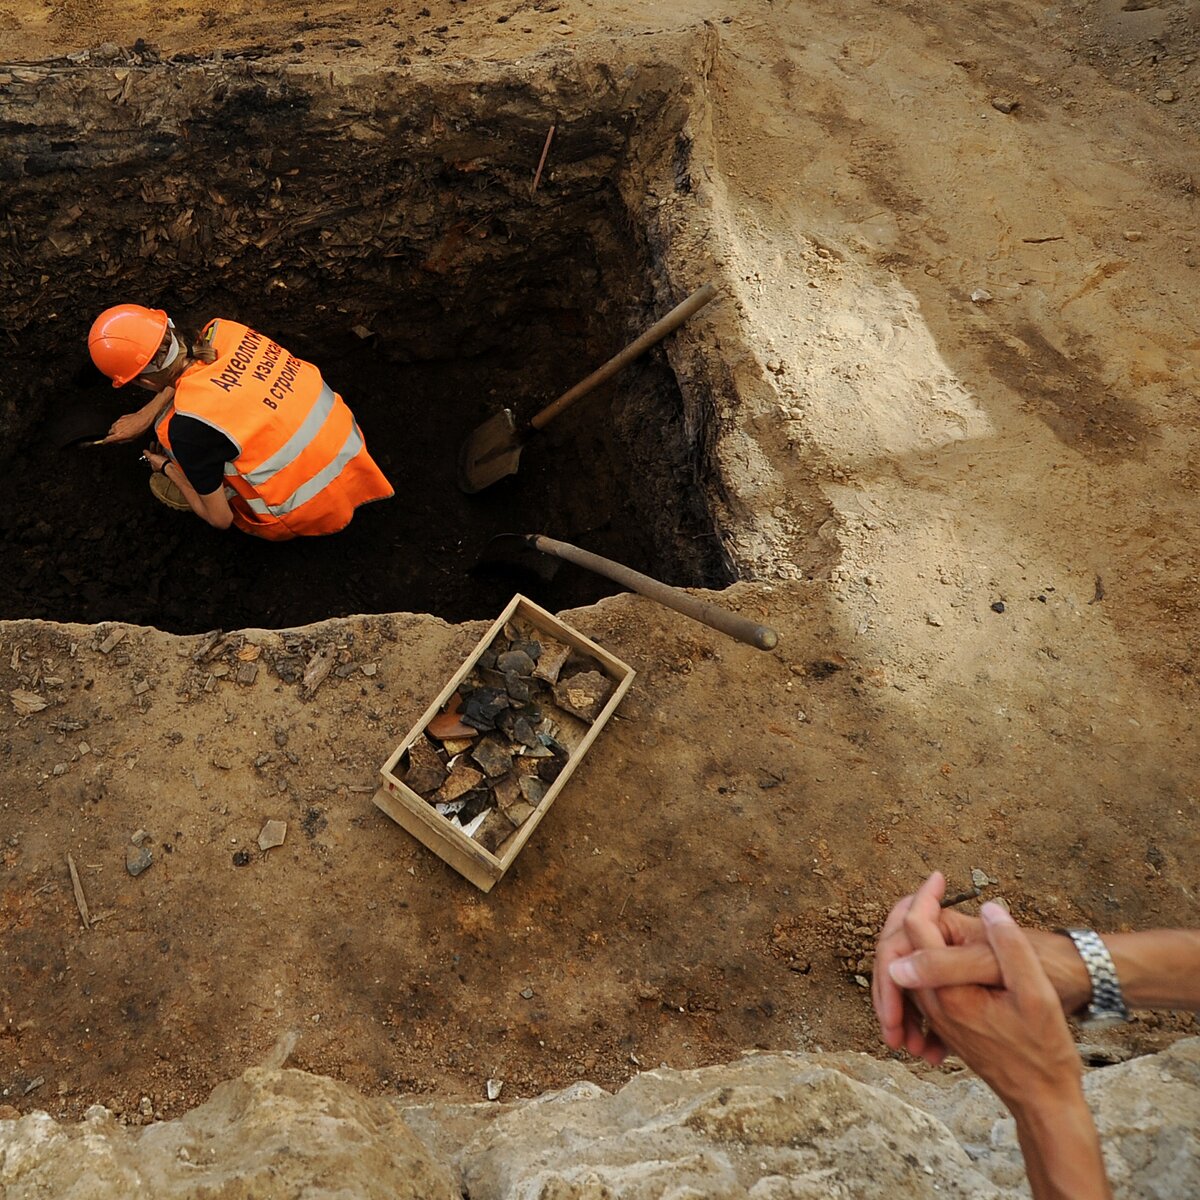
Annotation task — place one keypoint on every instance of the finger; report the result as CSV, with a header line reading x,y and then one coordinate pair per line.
x,y
947,967
885,995
922,921
961,929
1020,969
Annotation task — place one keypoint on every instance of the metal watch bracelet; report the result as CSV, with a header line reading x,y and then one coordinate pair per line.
x,y
1107,1002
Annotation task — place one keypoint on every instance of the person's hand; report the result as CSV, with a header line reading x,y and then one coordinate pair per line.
x,y
950,934
964,956
157,461
1015,1036
128,427
132,425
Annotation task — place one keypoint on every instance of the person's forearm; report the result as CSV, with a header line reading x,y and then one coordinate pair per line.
x,y
1062,1150
1158,968
175,474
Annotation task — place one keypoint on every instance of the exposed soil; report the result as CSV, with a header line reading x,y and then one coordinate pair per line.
x,y
972,520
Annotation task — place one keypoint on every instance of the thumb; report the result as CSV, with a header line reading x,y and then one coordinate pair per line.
x,y
1020,968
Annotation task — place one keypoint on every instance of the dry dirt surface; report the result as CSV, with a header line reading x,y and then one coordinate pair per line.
x,y
957,241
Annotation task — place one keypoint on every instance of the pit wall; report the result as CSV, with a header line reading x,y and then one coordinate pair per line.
x,y
397,201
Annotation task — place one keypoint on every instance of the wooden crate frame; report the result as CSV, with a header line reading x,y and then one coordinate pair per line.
x,y
446,838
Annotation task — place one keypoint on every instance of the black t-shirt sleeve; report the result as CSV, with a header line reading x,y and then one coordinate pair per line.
x,y
201,452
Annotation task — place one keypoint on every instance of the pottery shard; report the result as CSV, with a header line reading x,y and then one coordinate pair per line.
x,y
426,771
550,661
507,790
460,781
494,758
533,789
519,813
584,694
448,724
493,829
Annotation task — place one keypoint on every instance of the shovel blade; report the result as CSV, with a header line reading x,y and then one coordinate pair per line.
x,y
490,454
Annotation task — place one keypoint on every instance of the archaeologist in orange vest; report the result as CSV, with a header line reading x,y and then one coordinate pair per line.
x,y
253,436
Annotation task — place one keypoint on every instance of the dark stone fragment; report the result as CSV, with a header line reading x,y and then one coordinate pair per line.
x,y
998,607
474,804
549,769
515,661
241,858
482,706
517,688
523,732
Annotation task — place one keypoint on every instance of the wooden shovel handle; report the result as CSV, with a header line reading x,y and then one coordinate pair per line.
x,y
712,615
659,330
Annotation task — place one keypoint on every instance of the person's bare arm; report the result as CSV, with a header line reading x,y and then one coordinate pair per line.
x,y
212,508
1157,968
132,425
1015,1037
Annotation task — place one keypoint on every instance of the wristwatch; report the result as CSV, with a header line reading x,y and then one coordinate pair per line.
x,y
1107,1005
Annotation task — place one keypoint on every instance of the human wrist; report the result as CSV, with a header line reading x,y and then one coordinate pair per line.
x,y
1061,1147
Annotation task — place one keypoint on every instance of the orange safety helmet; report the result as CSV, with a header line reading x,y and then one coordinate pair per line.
x,y
124,339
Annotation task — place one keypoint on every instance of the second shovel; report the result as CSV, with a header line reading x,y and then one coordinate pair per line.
x,y
493,451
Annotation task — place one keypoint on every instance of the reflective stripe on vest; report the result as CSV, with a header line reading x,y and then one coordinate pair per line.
x,y
321,480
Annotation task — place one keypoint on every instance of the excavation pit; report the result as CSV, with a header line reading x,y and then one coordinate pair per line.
x,y
385,229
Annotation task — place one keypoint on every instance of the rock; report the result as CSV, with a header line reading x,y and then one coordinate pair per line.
x,y
584,694
137,859
317,669
1166,95
241,858
494,1088
27,703
1005,104
113,640
981,296
338,1143
933,619
998,606
514,660
979,879
527,993
138,837
1133,235
272,834
767,1126
247,673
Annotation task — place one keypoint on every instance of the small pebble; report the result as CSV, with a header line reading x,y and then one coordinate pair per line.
x,y
1005,104
1166,95
998,606
527,993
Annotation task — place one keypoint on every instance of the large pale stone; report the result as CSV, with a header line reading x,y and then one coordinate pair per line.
x,y
269,1134
768,1127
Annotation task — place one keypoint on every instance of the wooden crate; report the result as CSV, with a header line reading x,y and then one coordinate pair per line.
x,y
446,838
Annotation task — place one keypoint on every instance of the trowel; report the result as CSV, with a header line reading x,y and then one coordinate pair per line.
x,y
493,451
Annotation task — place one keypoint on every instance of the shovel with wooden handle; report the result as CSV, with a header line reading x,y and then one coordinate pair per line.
x,y
516,548
493,451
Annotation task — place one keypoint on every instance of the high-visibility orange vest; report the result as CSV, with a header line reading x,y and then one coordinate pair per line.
x,y
302,467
